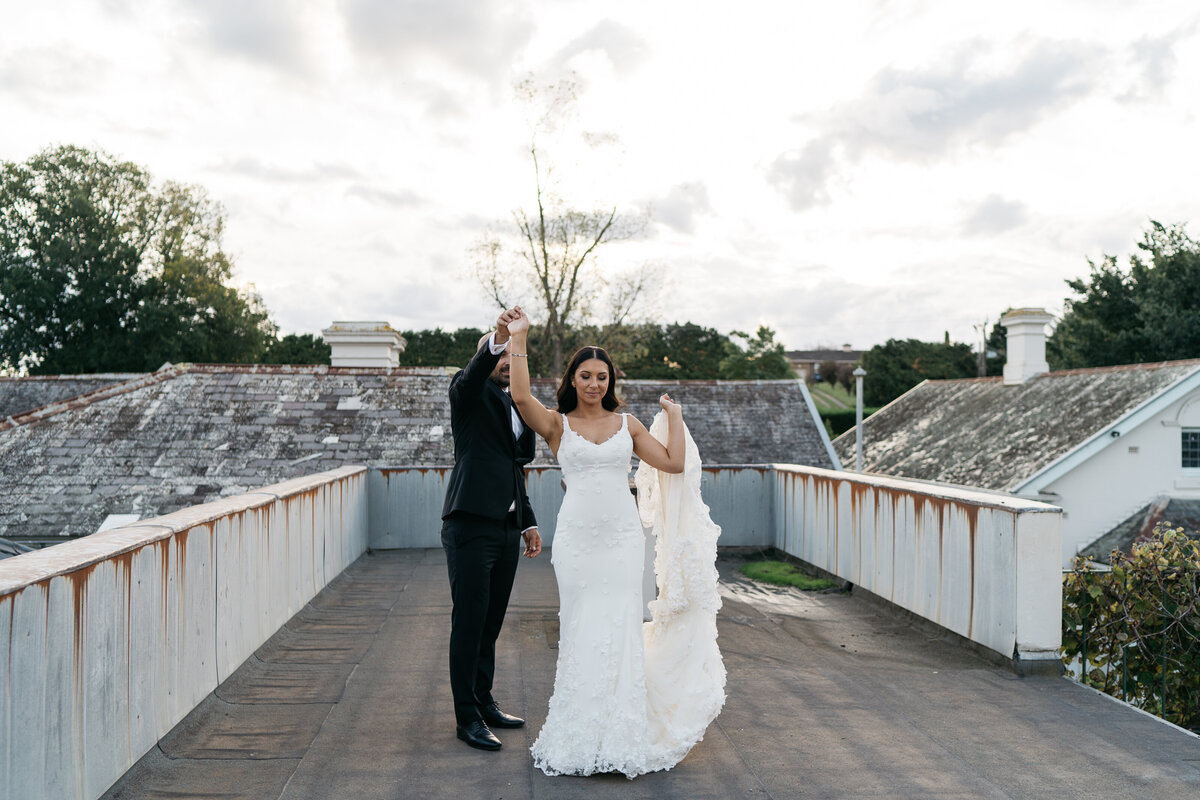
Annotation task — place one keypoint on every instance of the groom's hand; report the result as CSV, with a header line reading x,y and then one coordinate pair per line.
x,y
533,542
519,322
502,324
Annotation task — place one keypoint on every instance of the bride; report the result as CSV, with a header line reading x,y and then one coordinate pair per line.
x,y
628,697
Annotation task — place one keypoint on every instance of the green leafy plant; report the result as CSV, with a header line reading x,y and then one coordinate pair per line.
x,y
1134,630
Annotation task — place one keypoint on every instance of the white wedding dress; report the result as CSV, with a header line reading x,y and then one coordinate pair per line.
x,y
629,696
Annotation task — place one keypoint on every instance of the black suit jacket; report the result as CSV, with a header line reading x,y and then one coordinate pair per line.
x,y
489,463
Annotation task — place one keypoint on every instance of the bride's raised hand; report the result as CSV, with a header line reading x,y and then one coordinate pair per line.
x,y
670,405
521,323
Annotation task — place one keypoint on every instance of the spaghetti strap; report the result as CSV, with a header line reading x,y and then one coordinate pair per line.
x,y
566,425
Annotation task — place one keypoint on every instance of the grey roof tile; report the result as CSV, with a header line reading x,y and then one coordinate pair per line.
x,y
19,395
190,433
979,432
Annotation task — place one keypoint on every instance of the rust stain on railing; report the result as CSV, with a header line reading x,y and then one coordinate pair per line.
x,y
387,472
12,617
824,491
972,512
79,582
761,469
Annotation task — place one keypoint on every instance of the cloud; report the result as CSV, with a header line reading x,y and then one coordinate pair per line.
x,y
802,175
269,32
42,72
396,199
681,205
923,113
254,168
1154,62
994,215
622,45
926,114
381,247
478,37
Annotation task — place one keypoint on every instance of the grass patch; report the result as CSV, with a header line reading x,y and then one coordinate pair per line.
x,y
831,397
782,573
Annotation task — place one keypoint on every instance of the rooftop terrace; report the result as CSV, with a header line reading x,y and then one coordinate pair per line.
x,y
830,696
290,643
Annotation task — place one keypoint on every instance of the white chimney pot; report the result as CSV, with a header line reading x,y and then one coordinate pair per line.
x,y
363,344
1026,357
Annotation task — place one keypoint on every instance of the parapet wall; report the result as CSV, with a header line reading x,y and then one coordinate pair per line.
x,y
984,565
406,503
108,641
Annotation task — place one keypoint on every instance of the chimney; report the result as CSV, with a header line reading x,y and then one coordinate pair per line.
x,y
363,344
1026,357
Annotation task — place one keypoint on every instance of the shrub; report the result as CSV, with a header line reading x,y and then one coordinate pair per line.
x,y
1135,629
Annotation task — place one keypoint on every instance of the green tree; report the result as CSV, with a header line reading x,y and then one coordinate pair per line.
x,y
900,364
102,270
762,358
828,371
439,348
1148,312
297,348
697,350
679,351
996,342
845,376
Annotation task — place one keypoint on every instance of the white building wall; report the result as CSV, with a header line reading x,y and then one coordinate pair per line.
x,y
1136,467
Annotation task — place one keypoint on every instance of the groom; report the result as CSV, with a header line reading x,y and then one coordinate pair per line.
x,y
485,512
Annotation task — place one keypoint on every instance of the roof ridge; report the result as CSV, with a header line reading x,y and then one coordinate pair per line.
x,y
1143,365
316,369
163,373
89,376
984,379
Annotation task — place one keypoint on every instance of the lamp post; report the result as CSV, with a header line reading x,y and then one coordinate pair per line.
x,y
859,373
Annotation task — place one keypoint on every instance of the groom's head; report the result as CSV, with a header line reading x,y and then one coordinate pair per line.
x,y
499,374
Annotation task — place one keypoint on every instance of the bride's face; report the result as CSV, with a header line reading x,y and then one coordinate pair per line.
x,y
591,381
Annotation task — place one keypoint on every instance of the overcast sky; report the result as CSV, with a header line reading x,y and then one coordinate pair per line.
x,y
844,172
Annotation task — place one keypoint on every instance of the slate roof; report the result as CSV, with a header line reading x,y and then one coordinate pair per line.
x,y
733,422
18,395
188,434
1178,512
825,355
979,432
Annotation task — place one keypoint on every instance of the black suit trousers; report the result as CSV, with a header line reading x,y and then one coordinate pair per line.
x,y
481,557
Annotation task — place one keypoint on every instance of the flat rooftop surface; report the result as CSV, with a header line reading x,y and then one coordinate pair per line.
x,y
830,696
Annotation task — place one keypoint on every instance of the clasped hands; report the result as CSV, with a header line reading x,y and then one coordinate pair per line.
x,y
514,320
533,542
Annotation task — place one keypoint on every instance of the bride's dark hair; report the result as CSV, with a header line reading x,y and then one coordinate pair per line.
x,y
568,399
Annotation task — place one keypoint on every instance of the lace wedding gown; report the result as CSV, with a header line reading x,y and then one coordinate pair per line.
x,y
629,696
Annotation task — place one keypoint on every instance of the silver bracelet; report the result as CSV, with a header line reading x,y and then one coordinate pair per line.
x,y
519,355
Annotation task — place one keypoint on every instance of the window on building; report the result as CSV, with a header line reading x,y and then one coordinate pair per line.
x,y
1191,449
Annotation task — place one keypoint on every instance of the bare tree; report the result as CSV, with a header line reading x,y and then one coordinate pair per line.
x,y
552,252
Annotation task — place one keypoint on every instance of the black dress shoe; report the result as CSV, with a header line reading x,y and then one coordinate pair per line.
x,y
493,716
477,735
